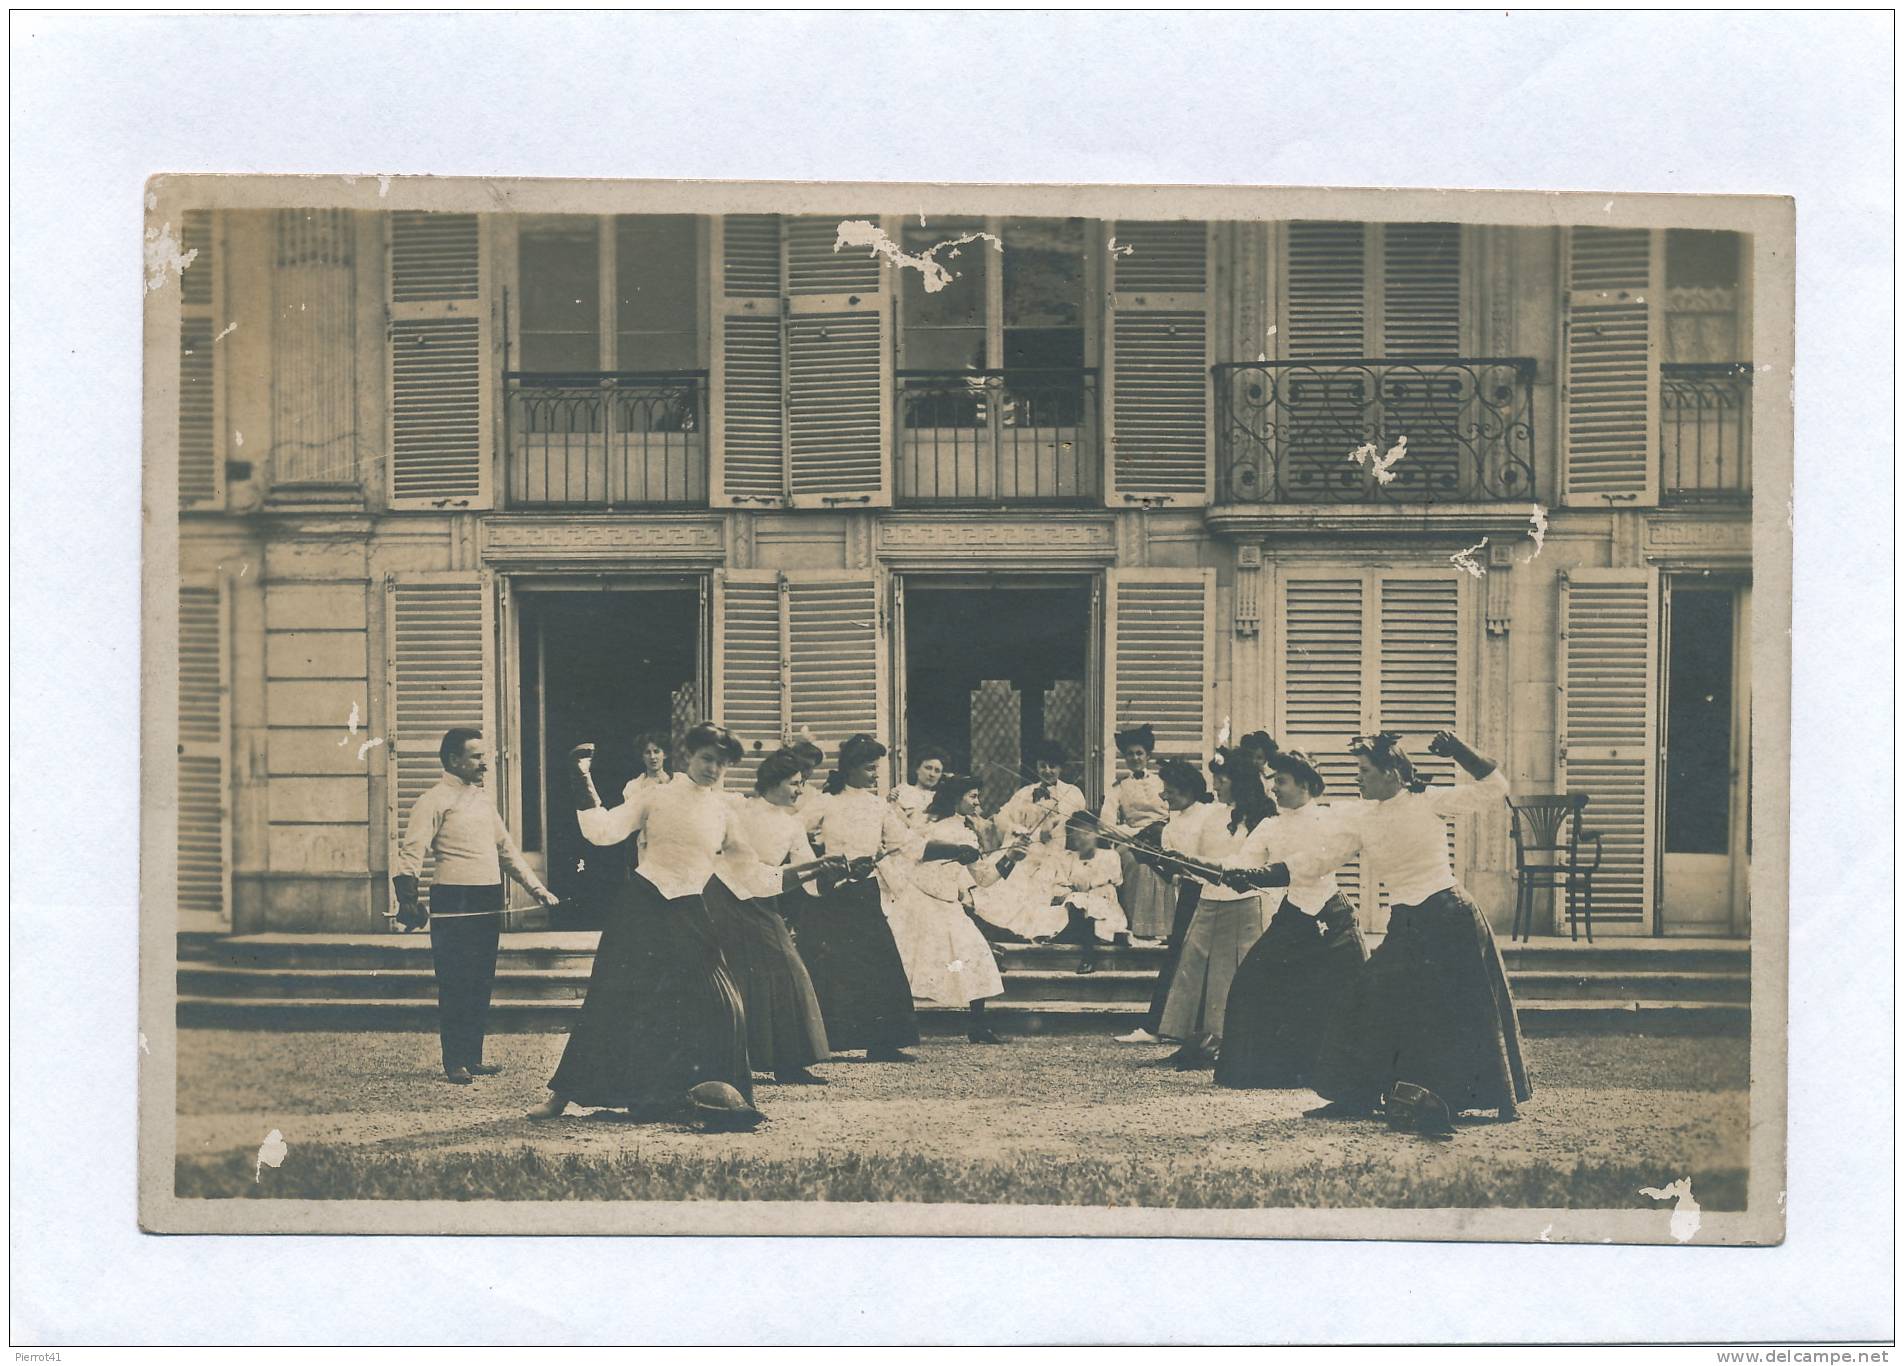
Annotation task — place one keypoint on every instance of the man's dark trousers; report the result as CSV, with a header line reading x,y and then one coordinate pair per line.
x,y
463,949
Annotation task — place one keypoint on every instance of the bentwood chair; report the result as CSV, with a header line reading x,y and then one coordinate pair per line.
x,y
1547,839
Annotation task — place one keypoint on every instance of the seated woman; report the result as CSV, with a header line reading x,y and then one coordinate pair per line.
x,y
662,1015
1134,805
785,1031
1086,884
1431,1007
1228,920
1290,984
1032,825
845,938
912,798
948,961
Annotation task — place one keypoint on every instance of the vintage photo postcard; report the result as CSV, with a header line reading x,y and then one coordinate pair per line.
x,y
697,707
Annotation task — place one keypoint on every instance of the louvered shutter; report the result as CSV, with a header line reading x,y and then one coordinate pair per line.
x,y
835,674
1609,726
839,368
1161,634
441,352
439,667
749,398
1611,400
1320,704
1158,366
204,749
1325,316
1421,318
201,465
1418,684
749,687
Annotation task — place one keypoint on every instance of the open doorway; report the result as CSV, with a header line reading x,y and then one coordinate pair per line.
x,y
992,665
608,666
1705,830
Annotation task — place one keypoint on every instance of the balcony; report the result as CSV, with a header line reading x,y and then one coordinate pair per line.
x,y
1015,436
1323,431
1705,432
607,440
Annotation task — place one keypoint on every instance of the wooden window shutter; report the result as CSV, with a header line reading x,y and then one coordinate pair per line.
x,y
1158,364
201,429
1325,291
749,686
839,368
1608,721
836,673
440,662
1611,399
1321,629
204,749
1161,629
441,353
314,347
1421,289
748,409
1419,677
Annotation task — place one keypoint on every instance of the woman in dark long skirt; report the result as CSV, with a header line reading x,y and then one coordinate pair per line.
x,y
1187,797
843,934
785,1033
1287,989
662,1015
1431,1007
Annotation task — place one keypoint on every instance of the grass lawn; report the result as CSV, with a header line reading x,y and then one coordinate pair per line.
x,y
1066,1121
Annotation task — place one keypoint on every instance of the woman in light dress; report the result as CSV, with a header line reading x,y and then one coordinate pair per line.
x,y
1135,809
1187,798
912,798
1031,825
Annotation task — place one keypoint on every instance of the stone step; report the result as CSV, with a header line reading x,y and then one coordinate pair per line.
x,y
1663,985
1025,1018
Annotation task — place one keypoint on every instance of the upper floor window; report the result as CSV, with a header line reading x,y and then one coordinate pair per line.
x,y
609,294
1703,318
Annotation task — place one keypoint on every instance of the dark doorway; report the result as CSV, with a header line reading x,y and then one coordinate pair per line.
x,y
991,669
607,667
1699,722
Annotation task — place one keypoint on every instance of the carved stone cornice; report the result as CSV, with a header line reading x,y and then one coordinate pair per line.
x,y
1287,521
1011,538
571,538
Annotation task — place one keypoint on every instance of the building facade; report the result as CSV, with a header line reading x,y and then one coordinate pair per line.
x,y
579,477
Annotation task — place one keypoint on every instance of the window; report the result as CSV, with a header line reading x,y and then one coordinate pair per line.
x,y
641,270
1704,272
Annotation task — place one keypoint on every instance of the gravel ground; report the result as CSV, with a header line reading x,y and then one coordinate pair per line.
x,y
1679,1103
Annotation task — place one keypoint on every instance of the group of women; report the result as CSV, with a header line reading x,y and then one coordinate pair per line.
x,y
896,898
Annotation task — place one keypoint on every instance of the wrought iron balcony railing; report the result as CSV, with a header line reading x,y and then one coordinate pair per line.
x,y
607,440
1017,435
1705,432
1327,431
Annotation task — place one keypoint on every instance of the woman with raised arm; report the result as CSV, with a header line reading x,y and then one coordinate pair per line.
x,y
844,936
1288,987
662,1015
785,1032
1228,920
1429,1026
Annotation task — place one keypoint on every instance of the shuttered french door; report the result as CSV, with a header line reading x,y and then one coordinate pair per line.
x,y
839,368
1608,722
794,650
1158,363
440,661
1158,664
201,463
204,749
1364,650
442,354
748,357
1611,393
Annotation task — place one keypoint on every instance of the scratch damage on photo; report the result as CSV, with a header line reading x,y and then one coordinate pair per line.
x,y
857,232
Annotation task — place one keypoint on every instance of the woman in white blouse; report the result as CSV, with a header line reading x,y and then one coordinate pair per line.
x,y
843,937
785,1032
1187,799
1289,986
662,1015
914,797
1134,805
1228,920
1031,825
1431,1007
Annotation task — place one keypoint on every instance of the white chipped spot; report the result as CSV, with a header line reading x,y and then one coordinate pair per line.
x,y
1464,559
581,865
230,328
956,965
163,257
857,232
1380,465
383,186
1544,1232
151,201
146,1049
1121,249
1685,1221
237,438
353,723
1537,528
271,1153
368,745
1223,733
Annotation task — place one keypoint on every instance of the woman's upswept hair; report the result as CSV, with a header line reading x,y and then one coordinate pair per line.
x,y
708,735
662,741
1384,750
1182,775
926,755
775,769
949,793
1250,805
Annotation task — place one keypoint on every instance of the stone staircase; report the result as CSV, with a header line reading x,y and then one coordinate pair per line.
x,y
384,982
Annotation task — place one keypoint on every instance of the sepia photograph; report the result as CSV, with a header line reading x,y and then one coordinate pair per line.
x,y
1048,701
